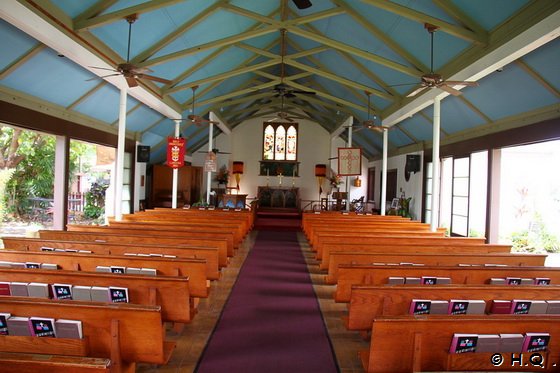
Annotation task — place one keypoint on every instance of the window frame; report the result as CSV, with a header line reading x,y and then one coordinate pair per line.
x,y
275,126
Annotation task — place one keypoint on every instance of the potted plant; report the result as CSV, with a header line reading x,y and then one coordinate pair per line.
x,y
222,176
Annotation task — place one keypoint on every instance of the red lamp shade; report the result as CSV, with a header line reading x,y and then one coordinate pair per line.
x,y
238,167
320,170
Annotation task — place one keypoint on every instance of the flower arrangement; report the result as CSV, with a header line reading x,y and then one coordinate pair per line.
x,y
335,180
222,176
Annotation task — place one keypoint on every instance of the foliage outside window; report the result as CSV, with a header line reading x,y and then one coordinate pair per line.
x,y
280,141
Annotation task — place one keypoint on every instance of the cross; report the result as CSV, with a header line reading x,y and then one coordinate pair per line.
x,y
349,158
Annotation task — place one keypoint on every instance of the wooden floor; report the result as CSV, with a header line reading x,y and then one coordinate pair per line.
x,y
191,342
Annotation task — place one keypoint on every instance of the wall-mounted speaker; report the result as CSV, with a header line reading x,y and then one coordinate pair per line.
x,y
412,165
142,153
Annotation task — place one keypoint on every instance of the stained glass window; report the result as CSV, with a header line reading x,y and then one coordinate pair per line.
x,y
280,144
280,141
291,142
268,144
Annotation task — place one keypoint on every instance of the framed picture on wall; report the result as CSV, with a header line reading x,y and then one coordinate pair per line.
x,y
395,203
349,161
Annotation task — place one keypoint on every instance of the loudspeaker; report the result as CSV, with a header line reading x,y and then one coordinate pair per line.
x,y
142,153
412,163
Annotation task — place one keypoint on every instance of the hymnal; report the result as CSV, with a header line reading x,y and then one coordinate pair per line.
x,y
118,295
5,288
538,307
71,250
395,280
553,307
45,248
158,255
19,289
18,265
85,251
133,271
511,342
520,306
412,280
68,329
527,281
5,264
513,280
42,327
439,307
458,307
488,343
419,307
497,281
443,280
32,265
542,281
18,325
80,292
462,343
38,290
103,269
149,271
62,291
4,323
500,306
100,294
476,307
49,266
535,342
118,269
428,280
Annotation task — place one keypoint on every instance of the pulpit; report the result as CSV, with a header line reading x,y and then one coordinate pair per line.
x,y
278,197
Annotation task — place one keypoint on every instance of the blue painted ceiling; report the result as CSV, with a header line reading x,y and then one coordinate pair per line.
x,y
236,54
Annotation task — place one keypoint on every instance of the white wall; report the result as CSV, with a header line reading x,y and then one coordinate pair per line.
x,y
411,188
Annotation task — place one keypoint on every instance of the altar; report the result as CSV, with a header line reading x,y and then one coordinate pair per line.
x,y
278,197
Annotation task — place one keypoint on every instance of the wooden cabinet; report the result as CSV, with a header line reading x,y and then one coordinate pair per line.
x,y
189,184
285,198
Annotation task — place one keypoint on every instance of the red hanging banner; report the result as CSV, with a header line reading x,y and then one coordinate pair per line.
x,y
175,152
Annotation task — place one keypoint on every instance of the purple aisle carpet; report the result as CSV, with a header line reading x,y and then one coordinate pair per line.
x,y
271,321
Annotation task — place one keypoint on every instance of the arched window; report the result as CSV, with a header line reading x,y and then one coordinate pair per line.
x,y
280,141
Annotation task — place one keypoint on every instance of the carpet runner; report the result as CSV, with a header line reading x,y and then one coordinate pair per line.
x,y
271,321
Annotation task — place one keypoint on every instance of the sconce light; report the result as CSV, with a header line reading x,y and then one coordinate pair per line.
x,y
237,171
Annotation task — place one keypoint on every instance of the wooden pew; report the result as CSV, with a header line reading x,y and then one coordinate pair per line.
x,y
312,219
445,257
349,275
134,239
210,255
32,363
144,232
247,215
195,228
172,294
368,302
377,240
125,333
410,248
194,269
409,344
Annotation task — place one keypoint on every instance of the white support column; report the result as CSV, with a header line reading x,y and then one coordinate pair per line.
x,y
435,165
209,173
60,192
120,155
384,172
175,173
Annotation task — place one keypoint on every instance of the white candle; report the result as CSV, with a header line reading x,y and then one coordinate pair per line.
x,y
267,172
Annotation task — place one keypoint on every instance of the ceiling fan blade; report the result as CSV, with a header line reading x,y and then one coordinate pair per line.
x,y
103,68
449,90
304,92
453,82
302,4
154,78
416,91
131,81
101,77
402,84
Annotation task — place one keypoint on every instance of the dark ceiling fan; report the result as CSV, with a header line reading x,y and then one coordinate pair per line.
x,y
302,4
369,123
197,119
282,89
283,115
130,71
435,80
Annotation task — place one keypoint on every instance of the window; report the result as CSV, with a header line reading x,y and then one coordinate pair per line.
x,y
280,141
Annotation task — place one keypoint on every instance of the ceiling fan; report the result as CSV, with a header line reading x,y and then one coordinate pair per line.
x,y
130,71
369,123
283,115
282,89
302,4
197,119
434,80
